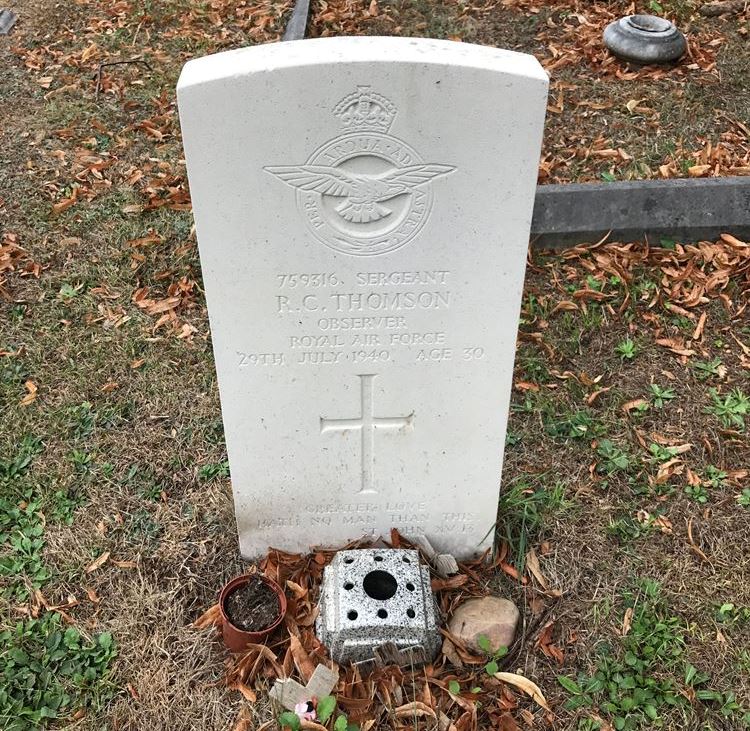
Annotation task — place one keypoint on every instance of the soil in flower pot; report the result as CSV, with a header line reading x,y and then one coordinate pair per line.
x,y
252,606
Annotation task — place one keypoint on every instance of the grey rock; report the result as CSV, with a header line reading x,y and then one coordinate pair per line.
x,y
491,616
7,21
371,597
686,210
645,39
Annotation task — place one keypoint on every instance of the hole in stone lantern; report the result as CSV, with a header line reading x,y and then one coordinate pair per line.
x,y
410,613
382,613
405,559
410,586
351,614
349,560
380,585
348,586
378,558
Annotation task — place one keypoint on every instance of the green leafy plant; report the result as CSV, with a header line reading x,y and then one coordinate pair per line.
x,y
731,409
454,687
522,512
730,613
614,459
492,666
627,528
211,471
21,525
290,720
632,683
626,349
81,420
660,453
708,368
342,724
697,493
575,425
49,672
715,476
326,707
62,505
660,396
744,498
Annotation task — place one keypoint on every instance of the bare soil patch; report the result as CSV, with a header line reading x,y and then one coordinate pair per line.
x,y
253,606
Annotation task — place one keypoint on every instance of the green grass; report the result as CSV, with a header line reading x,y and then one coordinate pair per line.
x,y
523,510
643,676
21,526
48,672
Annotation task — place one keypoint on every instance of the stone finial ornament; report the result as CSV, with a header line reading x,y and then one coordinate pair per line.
x,y
645,39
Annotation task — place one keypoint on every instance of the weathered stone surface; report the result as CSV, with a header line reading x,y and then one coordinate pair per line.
x,y
492,616
371,597
362,207
645,39
7,21
686,210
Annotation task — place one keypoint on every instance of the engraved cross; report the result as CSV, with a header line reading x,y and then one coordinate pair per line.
x,y
367,423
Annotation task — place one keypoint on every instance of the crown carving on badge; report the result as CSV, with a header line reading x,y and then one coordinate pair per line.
x,y
366,110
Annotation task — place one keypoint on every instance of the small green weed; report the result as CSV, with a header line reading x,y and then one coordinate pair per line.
x,y
62,505
707,368
614,459
626,349
48,672
731,409
660,396
574,425
81,420
627,528
715,477
697,493
214,470
743,498
660,453
729,613
494,654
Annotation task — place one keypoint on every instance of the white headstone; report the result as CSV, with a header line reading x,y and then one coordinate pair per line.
x,y
363,209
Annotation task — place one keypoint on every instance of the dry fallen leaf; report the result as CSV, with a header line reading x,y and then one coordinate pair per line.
x,y
638,403
302,660
415,708
30,396
527,686
98,563
627,621
210,618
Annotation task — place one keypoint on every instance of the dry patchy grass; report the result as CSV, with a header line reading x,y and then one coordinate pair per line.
x,y
106,362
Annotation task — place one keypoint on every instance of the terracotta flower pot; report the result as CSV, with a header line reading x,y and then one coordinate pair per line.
x,y
237,639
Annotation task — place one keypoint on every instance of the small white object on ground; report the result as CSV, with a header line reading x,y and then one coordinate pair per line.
x,y
289,693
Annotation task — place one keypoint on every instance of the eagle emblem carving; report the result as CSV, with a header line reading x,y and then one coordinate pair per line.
x,y
363,195
364,192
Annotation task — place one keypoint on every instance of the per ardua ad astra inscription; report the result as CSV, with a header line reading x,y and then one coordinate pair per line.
x,y
362,208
